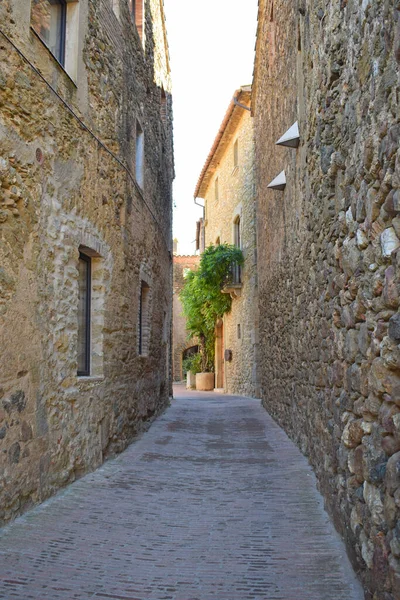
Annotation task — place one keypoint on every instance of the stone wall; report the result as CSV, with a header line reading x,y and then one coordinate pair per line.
x,y
329,259
180,340
234,199
67,173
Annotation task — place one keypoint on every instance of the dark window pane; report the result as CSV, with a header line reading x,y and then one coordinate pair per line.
x,y
49,22
132,7
84,316
139,170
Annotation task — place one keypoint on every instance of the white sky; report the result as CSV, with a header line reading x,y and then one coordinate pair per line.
x,y
211,46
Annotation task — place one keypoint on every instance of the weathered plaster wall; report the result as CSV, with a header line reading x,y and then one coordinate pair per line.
x,y
61,189
236,198
180,341
329,258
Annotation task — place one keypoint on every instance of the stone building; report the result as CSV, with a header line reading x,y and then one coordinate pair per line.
x,y
329,257
226,184
182,345
86,168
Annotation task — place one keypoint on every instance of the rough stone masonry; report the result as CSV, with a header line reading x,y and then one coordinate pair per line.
x,y
329,258
86,165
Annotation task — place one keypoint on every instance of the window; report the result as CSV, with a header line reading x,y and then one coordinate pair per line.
x,y
56,23
239,332
136,8
84,309
216,190
236,154
237,234
237,271
163,107
49,21
144,319
139,156
271,39
115,7
132,8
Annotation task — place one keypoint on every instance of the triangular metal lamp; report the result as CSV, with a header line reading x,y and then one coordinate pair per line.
x,y
291,138
279,183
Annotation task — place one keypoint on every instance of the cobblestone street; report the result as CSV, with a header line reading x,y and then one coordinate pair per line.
x,y
212,503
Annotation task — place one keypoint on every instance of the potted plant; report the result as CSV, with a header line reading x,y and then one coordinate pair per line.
x,y
191,366
204,303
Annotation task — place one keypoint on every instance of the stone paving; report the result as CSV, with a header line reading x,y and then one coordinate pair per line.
x,y
212,503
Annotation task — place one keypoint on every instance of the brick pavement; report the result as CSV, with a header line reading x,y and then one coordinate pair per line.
x,y
212,503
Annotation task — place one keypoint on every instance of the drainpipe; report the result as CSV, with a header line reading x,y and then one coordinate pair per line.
x,y
201,205
237,103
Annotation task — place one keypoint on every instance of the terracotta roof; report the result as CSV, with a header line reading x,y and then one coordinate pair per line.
x,y
242,95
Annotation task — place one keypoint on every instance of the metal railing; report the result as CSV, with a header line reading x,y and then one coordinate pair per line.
x,y
234,276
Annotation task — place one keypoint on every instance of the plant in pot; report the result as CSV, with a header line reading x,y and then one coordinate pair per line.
x,y
204,303
191,366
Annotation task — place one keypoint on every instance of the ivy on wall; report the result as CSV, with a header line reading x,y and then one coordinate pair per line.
x,y
203,300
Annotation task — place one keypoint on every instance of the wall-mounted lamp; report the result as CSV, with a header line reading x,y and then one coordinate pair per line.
x,y
279,183
291,138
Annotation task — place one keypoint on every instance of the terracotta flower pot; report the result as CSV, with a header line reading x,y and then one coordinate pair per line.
x,y
205,382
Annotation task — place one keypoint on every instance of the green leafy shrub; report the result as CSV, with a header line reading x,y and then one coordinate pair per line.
x,y
192,363
202,298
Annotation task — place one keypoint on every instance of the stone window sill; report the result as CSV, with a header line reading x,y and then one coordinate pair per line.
x,y
90,378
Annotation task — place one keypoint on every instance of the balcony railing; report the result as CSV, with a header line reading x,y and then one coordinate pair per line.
x,y
233,281
235,275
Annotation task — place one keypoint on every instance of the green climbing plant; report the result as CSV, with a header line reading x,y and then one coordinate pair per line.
x,y
203,300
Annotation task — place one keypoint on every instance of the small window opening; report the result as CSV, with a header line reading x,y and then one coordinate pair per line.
x,y
237,240
163,108
218,241
144,319
139,156
271,39
239,332
237,233
115,7
84,310
299,36
236,154
216,189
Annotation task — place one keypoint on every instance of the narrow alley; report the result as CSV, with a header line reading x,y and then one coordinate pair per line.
x,y
213,502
